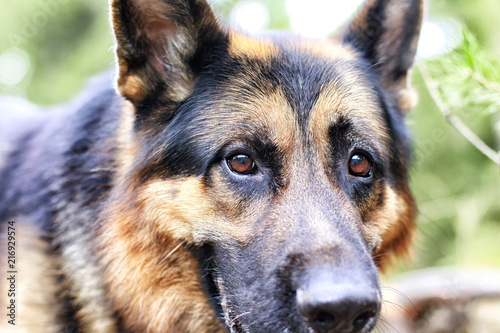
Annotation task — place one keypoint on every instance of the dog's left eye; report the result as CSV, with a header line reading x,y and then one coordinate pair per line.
x,y
360,165
241,164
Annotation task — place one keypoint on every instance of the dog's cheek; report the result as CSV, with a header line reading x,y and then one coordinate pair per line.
x,y
185,209
391,227
158,272
179,208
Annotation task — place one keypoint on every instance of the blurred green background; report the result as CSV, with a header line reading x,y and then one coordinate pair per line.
x,y
48,48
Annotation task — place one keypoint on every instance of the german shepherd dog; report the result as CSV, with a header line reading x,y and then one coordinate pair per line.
x,y
226,183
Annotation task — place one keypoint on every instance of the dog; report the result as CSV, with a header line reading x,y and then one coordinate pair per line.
x,y
224,183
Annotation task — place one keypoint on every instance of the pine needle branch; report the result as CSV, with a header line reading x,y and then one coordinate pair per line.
x,y
455,121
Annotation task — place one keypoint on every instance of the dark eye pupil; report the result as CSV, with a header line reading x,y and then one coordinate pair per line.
x,y
242,164
359,165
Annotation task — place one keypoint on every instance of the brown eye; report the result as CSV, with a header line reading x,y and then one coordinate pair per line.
x,y
360,165
241,164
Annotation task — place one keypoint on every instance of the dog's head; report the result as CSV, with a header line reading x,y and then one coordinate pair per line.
x,y
280,162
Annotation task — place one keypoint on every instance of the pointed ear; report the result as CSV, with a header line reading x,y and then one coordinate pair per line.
x,y
161,47
386,33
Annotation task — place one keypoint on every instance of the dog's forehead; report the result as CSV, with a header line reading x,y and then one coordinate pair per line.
x,y
271,44
293,81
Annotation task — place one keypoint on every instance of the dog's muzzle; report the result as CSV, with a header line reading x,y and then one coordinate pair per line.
x,y
331,299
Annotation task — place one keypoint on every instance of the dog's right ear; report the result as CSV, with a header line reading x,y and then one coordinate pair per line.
x,y
386,32
161,47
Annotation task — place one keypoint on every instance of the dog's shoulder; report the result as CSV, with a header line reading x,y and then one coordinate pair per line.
x,y
63,142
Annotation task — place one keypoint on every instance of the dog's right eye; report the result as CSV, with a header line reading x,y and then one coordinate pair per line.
x,y
360,165
241,164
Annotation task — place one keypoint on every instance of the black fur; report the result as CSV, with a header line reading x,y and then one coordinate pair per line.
x,y
304,212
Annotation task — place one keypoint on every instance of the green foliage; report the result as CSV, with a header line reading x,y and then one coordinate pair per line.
x,y
469,79
480,16
457,186
65,42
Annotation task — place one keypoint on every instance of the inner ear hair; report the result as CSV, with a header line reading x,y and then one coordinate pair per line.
x,y
386,32
161,44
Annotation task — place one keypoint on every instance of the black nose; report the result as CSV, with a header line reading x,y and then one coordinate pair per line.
x,y
328,306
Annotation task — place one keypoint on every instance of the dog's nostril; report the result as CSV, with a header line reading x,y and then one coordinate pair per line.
x,y
328,317
331,308
361,320
325,320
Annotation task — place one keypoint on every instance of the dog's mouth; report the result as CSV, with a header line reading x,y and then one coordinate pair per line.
x,y
229,314
214,287
230,318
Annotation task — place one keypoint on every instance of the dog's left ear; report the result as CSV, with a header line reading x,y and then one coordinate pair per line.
x,y
161,46
386,33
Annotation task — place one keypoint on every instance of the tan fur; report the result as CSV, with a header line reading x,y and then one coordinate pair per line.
x,y
324,48
37,308
355,101
143,243
143,250
405,96
180,212
126,143
389,229
191,216
407,99
390,41
132,87
165,43
160,277
273,114
135,268
250,47
164,215
84,281
393,226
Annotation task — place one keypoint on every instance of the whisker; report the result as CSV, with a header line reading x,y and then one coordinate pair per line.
x,y
403,296
239,316
170,253
399,308
388,327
